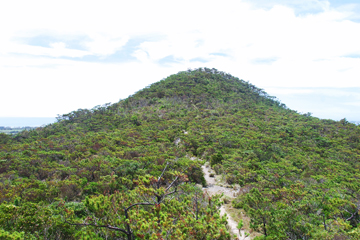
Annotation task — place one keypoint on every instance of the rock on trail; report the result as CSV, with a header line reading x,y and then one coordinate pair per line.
x,y
212,189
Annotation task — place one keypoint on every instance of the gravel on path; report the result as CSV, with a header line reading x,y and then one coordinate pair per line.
x,y
213,188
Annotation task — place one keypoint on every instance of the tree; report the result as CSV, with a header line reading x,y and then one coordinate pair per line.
x,y
164,207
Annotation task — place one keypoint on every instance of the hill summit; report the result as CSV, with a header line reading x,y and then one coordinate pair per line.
x,y
205,85
202,88
127,170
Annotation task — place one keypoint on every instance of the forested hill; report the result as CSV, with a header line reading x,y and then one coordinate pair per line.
x,y
299,175
204,89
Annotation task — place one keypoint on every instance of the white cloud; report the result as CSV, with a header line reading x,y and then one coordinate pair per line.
x,y
288,91
356,104
300,50
103,45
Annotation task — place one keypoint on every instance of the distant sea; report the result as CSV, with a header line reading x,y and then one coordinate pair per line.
x,y
25,121
355,122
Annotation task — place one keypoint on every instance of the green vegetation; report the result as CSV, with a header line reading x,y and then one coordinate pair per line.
x,y
80,177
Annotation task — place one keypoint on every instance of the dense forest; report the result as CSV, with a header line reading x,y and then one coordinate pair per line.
x,y
127,170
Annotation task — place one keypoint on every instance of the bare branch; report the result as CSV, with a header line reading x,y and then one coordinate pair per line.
x,y
167,194
353,214
136,204
159,179
177,177
101,226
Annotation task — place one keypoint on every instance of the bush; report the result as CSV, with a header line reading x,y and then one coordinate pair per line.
x,y
196,175
218,169
216,159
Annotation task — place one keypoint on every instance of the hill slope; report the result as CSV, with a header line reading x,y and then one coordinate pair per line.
x,y
299,175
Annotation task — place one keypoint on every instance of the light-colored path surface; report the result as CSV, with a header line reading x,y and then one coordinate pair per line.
x,y
212,189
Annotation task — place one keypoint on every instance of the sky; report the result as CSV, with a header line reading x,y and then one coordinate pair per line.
x,y
60,56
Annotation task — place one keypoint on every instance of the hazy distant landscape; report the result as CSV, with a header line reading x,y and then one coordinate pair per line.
x,y
9,130
14,125
15,122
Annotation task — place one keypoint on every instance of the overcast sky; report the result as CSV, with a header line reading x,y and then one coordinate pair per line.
x,y
59,56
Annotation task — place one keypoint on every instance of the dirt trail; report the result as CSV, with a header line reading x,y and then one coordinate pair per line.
x,y
213,188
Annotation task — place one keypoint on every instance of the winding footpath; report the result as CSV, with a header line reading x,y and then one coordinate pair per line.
x,y
212,188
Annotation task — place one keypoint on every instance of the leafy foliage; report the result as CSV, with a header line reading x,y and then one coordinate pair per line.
x,y
299,175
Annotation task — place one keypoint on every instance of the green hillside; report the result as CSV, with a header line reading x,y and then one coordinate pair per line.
x,y
80,177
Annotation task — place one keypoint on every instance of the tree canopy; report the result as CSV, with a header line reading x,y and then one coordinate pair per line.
x,y
80,177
